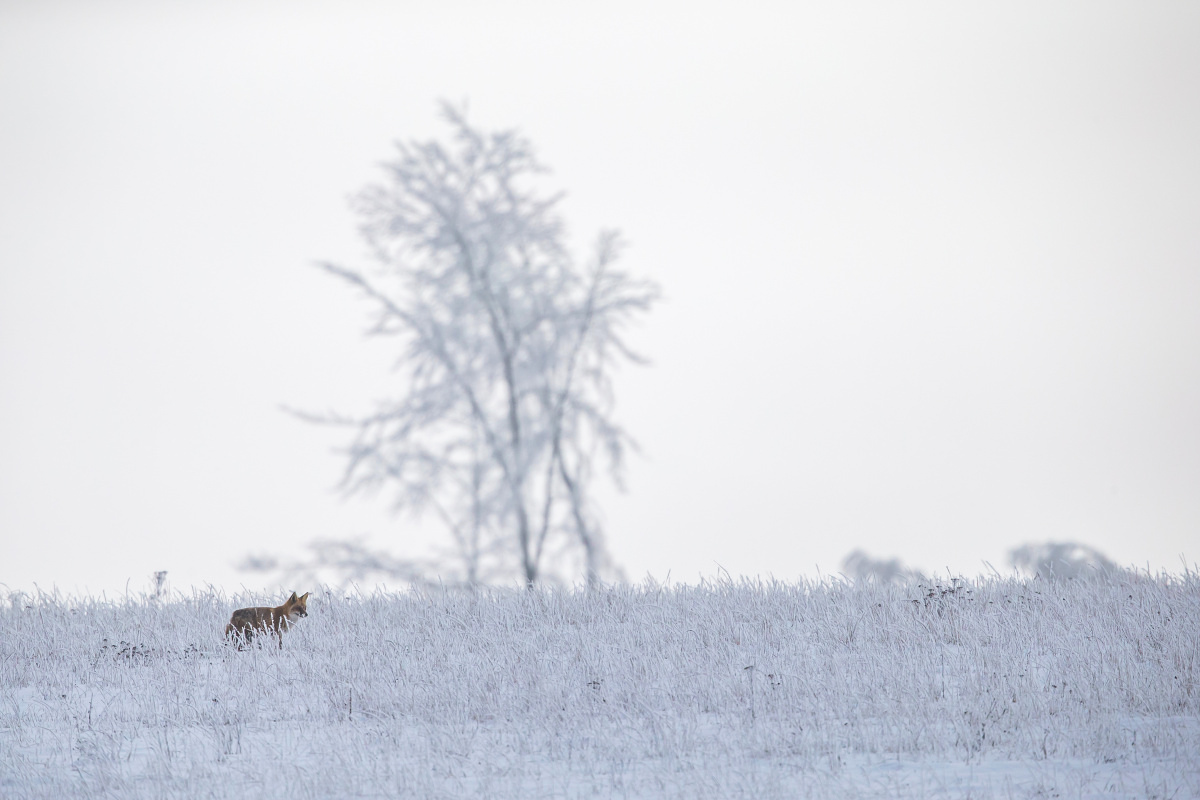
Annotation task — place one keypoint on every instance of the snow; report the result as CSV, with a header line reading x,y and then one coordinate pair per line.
x,y
995,688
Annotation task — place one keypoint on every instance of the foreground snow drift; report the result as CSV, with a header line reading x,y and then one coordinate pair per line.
x,y
1000,688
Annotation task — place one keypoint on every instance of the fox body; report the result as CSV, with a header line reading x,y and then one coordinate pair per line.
x,y
246,622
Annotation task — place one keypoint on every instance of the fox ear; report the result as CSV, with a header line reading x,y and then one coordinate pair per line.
x,y
305,597
292,599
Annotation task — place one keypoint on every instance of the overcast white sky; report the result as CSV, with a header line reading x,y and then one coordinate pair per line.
x,y
932,271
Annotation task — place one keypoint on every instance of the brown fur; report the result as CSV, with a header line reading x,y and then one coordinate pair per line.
x,y
246,622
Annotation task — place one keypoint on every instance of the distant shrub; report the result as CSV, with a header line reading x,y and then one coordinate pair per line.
x,y
861,567
1062,560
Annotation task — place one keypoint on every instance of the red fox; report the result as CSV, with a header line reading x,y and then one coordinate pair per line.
x,y
246,622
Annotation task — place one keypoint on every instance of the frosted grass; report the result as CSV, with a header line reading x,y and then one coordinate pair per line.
x,y
997,688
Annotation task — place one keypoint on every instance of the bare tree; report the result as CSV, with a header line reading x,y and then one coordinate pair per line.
x,y
340,564
508,346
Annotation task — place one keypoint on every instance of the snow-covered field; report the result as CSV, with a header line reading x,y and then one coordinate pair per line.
x,y
996,688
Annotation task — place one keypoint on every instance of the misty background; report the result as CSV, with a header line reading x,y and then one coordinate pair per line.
x,y
930,273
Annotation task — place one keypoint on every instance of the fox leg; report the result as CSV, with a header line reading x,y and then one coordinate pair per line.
x,y
239,636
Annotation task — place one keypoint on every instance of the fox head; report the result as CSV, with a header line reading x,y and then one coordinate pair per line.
x,y
296,607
